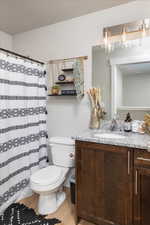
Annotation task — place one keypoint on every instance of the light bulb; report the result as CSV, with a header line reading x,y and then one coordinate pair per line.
x,y
106,38
143,30
147,23
109,47
123,37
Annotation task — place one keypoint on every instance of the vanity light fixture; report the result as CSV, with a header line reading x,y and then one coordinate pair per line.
x,y
125,34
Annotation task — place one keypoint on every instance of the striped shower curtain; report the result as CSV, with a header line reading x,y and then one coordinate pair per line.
x,y
23,132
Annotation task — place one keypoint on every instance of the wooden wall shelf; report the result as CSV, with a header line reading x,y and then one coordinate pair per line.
x,y
68,70
63,95
64,82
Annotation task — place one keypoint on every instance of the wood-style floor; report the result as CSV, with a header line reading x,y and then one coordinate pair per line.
x,y
65,213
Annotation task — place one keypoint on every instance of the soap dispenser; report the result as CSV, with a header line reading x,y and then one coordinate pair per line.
x,y
128,123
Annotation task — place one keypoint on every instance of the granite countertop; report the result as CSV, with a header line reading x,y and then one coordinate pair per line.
x,y
132,140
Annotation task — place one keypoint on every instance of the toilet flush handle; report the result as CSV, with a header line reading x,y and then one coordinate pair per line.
x,y
71,155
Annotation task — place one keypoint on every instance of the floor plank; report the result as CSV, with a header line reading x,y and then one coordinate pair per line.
x,y
65,213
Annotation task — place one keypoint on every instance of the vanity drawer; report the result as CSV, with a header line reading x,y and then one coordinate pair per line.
x,y
142,158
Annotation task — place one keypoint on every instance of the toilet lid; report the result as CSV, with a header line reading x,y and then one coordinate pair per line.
x,y
46,176
62,140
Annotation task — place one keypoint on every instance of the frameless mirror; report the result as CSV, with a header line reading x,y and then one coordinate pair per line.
x,y
124,78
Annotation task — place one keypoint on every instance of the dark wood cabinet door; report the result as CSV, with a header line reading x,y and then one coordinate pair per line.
x,y
104,183
142,188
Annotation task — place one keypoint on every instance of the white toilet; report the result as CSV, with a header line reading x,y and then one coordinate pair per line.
x,y
48,181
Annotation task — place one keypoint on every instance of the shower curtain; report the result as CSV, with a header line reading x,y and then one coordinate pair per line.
x,y
23,132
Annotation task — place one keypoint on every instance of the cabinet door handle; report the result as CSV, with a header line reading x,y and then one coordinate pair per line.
x,y
143,159
128,162
136,182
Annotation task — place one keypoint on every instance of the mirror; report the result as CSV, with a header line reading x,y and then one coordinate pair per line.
x,y
135,83
124,78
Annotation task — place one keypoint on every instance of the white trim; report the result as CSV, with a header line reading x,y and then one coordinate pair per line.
x,y
132,59
114,63
133,108
113,90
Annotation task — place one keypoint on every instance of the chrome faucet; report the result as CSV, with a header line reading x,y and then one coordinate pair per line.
x,y
113,125
116,124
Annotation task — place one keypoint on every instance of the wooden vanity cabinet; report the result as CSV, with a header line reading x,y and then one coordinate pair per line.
x,y
104,189
141,187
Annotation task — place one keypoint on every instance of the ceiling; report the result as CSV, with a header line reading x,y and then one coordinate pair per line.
x,y
18,16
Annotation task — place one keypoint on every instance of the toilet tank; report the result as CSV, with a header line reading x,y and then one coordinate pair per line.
x,y
62,151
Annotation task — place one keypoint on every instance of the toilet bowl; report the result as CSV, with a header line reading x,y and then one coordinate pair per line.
x,y
48,181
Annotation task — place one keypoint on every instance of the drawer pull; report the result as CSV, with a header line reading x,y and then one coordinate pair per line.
x,y
136,182
143,159
128,162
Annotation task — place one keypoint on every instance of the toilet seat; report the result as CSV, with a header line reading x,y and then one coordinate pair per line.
x,y
47,176
48,179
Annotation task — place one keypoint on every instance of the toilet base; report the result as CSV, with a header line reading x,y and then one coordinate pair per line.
x,y
50,202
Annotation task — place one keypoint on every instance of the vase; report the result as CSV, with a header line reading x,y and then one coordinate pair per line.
x,y
95,119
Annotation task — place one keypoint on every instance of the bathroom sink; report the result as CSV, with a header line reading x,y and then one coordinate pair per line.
x,y
109,136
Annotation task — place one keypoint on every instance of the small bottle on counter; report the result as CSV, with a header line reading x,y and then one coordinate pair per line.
x,y
128,123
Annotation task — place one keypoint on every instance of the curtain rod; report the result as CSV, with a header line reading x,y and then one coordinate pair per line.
x,y
59,60
21,56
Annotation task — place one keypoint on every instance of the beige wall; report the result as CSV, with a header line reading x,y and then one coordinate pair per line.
x,y
71,38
